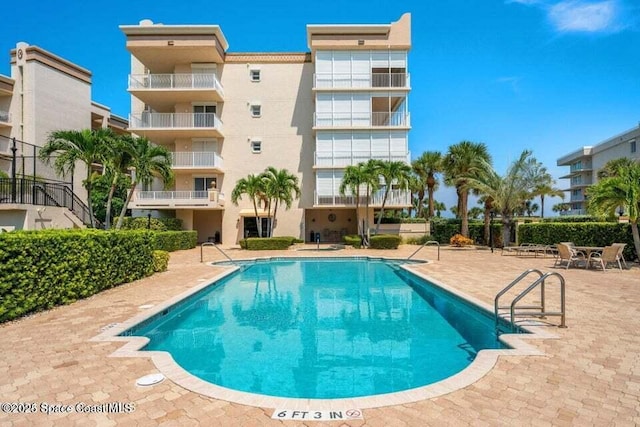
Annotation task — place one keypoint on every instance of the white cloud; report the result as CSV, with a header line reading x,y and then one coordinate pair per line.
x,y
581,16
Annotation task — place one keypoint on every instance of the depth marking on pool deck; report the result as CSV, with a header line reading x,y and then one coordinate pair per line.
x,y
311,415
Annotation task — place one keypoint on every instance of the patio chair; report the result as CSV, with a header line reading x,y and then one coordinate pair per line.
x,y
608,255
569,255
620,247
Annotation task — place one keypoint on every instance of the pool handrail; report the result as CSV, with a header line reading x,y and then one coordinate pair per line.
x,y
425,244
215,246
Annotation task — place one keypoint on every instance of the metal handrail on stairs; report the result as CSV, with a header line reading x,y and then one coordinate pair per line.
x,y
219,249
540,309
425,244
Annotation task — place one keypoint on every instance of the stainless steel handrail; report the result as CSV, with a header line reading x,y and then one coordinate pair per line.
x,y
425,244
215,246
542,313
517,280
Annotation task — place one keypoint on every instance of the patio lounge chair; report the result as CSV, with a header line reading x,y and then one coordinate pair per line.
x,y
608,255
569,255
620,254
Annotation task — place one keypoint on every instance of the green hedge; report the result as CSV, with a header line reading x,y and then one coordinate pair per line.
x,y
160,261
266,243
156,224
582,234
353,240
385,241
569,218
43,269
175,240
394,220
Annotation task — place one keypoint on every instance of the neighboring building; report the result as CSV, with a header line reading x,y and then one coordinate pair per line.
x,y
44,93
227,115
585,163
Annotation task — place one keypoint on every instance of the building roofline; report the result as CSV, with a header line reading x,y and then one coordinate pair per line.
x,y
147,27
36,53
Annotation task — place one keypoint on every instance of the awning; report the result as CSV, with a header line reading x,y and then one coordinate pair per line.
x,y
251,212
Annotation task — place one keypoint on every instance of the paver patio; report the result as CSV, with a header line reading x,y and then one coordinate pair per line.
x,y
590,375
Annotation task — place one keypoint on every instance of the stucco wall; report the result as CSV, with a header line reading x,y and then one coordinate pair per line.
x,y
27,217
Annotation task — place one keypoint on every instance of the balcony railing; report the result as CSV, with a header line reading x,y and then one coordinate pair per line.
x,y
375,119
174,81
177,199
360,80
348,158
395,198
574,212
147,120
196,159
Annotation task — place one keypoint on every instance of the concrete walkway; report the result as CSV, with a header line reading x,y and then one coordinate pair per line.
x,y
589,376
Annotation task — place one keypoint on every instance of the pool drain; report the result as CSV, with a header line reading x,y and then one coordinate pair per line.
x,y
149,380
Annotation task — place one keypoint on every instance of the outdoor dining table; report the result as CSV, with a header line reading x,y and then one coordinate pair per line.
x,y
589,249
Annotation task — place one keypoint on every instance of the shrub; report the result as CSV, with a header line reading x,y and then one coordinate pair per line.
x,y
582,234
568,218
385,241
417,240
394,220
459,241
265,243
175,240
443,229
42,269
160,261
157,224
353,240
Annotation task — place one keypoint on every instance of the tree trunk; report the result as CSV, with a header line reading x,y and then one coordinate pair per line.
x,y
420,213
112,189
542,206
255,210
124,207
384,202
636,238
487,224
92,220
506,230
464,226
273,220
431,183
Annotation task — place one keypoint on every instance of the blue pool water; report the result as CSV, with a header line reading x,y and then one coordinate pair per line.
x,y
314,328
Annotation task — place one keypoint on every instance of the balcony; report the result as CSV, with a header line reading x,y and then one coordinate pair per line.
x,y
5,119
341,159
396,198
196,161
165,127
574,212
392,120
161,91
367,81
177,200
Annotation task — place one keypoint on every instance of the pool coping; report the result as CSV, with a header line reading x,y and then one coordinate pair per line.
x,y
481,365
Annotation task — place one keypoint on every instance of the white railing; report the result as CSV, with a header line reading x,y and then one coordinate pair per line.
x,y
147,120
375,119
395,198
210,198
360,80
175,81
5,116
349,158
196,159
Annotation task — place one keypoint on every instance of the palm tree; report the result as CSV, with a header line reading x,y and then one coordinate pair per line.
x,y
439,207
149,161
561,207
254,187
354,179
391,172
509,192
611,167
116,160
487,203
462,162
620,189
415,186
71,146
427,166
546,188
279,186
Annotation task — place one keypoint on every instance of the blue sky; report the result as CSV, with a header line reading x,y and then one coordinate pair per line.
x,y
545,75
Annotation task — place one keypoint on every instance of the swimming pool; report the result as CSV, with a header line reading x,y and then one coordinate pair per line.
x,y
321,329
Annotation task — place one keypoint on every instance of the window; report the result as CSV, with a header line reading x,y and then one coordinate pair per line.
x,y
256,110
255,75
204,183
256,146
633,146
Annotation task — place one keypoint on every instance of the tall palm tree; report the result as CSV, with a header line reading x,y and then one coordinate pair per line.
x,y
254,187
397,173
487,203
72,146
439,207
547,188
280,186
621,189
356,178
117,159
464,161
149,161
508,192
415,186
427,166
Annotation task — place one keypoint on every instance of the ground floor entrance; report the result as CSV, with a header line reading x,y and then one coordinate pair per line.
x,y
329,225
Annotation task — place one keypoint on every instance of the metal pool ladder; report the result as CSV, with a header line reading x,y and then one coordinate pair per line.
x,y
219,249
430,242
530,310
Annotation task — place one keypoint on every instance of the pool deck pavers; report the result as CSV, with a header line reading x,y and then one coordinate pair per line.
x,y
589,375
